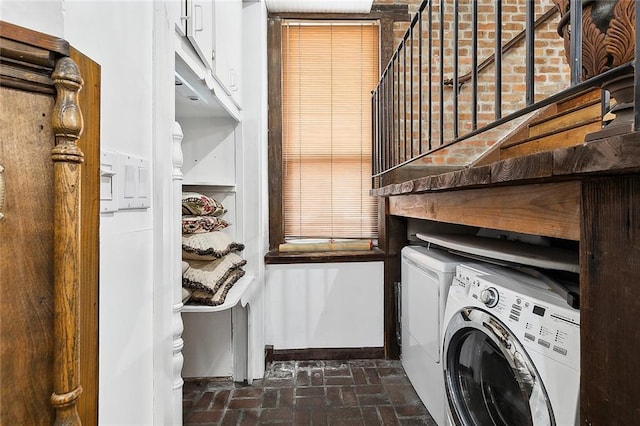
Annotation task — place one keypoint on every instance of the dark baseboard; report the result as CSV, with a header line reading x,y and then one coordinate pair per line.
x,y
323,354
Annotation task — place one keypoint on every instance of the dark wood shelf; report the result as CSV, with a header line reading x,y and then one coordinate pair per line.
x,y
274,257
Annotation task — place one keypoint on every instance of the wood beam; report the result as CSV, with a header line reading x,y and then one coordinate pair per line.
x,y
610,301
551,209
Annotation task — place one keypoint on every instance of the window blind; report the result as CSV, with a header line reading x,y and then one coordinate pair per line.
x,y
329,71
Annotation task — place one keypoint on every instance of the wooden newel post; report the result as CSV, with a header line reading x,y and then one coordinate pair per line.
x,y
67,158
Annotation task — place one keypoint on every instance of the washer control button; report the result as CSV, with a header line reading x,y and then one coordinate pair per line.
x,y
561,351
544,343
530,337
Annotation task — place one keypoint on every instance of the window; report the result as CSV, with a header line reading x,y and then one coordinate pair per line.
x,y
328,72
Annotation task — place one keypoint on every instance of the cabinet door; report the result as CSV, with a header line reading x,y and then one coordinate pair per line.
x,y
228,44
200,29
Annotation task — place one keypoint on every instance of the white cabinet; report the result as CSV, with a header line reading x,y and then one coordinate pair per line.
x,y
227,18
199,27
214,31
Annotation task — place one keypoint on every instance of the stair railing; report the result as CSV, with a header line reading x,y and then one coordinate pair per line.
x,y
411,121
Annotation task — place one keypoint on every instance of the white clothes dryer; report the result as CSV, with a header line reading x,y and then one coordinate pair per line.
x,y
426,277
511,352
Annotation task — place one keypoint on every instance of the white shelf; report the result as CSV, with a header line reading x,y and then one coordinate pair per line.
x,y
510,251
232,299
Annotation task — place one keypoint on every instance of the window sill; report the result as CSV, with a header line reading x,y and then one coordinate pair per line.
x,y
273,257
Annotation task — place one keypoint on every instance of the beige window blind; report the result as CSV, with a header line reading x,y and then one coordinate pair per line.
x,y
329,71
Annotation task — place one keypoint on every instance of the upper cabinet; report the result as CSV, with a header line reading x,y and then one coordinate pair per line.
x,y
227,16
211,37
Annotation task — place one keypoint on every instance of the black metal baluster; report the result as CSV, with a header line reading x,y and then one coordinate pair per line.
x,y
398,101
576,41
474,64
430,60
404,99
456,44
529,38
636,111
374,137
420,78
441,118
411,95
498,56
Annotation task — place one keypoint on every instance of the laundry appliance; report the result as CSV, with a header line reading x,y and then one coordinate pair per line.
x,y
510,351
426,275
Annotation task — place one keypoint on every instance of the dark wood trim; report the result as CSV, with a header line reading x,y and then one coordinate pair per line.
x,y
89,101
551,209
273,257
27,61
33,38
394,12
392,236
274,48
268,355
327,354
386,14
610,301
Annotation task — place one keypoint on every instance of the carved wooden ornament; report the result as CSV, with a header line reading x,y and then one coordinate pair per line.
x,y
608,41
67,157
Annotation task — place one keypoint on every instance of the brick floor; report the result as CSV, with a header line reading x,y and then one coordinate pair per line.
x,y
355,392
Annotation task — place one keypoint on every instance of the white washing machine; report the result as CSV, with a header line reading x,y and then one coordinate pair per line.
x,y
511,352
426,277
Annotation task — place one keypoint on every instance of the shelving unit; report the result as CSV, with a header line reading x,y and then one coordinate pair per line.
x,y
208,110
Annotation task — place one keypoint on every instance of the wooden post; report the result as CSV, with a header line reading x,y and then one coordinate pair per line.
x,y
67,158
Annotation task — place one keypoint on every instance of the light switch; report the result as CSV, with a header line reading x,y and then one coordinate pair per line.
x,y
130,178
108,182
135,182
144,185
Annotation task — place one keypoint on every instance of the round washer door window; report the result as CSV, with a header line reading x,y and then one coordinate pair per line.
x,y
490,379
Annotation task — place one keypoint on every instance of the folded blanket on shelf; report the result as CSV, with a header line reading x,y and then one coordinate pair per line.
x,y
208,276
208,246
202,224
204,298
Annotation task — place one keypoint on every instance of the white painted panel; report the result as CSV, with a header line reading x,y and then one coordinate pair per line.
x,y
207,344
126,337
334,305
127,275
209,151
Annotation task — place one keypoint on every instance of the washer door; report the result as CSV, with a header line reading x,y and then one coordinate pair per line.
x,y
489,377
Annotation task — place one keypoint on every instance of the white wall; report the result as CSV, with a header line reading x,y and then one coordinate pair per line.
x,y
334,305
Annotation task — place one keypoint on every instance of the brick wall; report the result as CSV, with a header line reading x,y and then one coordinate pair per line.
x,y
551,75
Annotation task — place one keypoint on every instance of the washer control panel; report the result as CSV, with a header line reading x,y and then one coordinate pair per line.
x,y
541,320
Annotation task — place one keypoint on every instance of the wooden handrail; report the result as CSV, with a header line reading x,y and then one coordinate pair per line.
x,y
507,46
